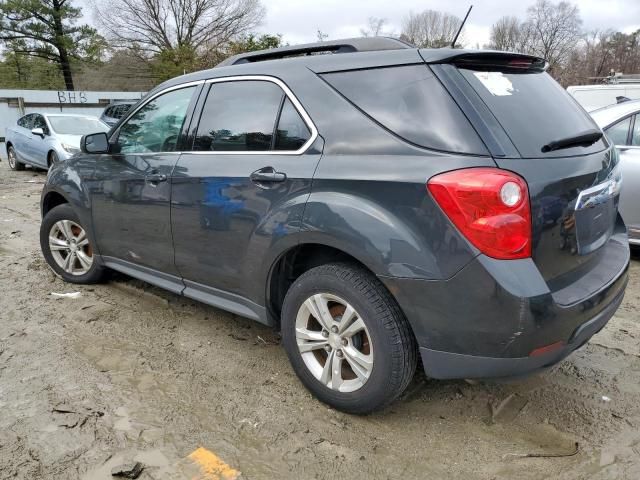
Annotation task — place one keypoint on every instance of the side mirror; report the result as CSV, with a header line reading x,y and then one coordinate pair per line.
x,y
95,143
38,131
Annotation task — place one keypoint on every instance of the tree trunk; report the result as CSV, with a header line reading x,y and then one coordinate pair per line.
x,y
63,55
65,66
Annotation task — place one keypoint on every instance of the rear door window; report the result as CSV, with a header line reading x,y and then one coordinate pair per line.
x,y
239,116
26,121
618,133
410,102
533,109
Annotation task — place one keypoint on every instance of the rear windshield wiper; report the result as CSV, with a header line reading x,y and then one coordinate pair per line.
x,y
582,139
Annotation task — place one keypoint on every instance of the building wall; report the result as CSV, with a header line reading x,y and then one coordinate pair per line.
x,y
16,103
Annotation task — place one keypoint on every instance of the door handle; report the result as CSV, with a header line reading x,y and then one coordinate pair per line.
x,y
267,175
156,178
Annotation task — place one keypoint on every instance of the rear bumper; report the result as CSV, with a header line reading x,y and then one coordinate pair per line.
x,y
486,320
447,365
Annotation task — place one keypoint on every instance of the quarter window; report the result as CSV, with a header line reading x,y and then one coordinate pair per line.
x,y
239,116
618,132
635,136
292,133
157,125
412,103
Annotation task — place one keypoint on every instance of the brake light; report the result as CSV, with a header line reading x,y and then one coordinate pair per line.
x,y
520,63
490,207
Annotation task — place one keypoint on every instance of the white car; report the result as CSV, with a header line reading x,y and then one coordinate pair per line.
x,y
41,140
592,97
621,123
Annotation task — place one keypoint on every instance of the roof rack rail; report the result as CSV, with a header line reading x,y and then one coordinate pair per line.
x,y
348,45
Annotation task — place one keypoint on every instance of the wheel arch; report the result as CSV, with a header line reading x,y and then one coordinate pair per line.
x,y
51,200
295,261
49,162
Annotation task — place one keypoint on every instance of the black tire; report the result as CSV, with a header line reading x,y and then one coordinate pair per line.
x,y
14,164
52,159
64,212
394,346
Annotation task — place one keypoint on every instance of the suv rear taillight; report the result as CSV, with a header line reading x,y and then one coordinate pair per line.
x,y
490,207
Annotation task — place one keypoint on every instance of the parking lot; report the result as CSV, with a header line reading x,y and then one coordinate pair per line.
x,y
128,372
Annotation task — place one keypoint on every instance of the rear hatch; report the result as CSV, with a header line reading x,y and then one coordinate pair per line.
x,y
534,128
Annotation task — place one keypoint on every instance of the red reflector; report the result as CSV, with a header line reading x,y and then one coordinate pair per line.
x,y
546,349
490,207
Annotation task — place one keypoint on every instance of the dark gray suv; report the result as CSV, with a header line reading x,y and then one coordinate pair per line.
x,y
375,202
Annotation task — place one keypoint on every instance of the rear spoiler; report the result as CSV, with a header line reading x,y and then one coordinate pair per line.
x,y
483,59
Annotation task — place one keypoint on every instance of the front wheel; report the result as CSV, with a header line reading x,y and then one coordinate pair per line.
x,y
14,164
67,248
347,339
53,159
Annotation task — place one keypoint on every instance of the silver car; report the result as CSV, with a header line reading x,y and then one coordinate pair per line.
x,y
41,140
621,123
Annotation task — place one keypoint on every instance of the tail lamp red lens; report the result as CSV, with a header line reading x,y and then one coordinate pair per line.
x,y
490,207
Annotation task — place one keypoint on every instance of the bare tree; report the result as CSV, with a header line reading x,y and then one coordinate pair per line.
x,y
375,27
507,34
156,26
554,30
431,29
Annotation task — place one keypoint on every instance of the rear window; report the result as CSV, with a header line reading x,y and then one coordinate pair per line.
x,y
533,109
412,103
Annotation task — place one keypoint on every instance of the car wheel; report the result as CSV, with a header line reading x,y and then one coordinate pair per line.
x,y
53,159
347,339
14,164
67,248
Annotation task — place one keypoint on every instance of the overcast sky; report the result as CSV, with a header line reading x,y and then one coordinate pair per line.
x,y
298,21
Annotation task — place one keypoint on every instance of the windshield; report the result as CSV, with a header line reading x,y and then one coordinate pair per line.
x,y
68,125
534,111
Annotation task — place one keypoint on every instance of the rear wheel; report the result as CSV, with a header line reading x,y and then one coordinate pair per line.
x,y
14,164
347,339
67,248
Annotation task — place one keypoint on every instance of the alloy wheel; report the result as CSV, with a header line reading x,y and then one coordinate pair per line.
x,y
12,158
70,247
334,342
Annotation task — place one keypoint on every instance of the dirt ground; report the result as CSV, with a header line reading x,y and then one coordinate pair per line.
x,y
128,372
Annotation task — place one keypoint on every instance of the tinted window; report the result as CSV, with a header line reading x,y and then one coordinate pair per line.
x,y
156,126
39,122
619,131
239,116
533,109
635,138
412,103
24,121
120,110
292,133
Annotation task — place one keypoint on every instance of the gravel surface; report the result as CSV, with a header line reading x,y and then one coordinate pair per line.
x,y
128,373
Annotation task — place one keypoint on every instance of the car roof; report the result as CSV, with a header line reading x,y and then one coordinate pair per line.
x,y
606,116
367,54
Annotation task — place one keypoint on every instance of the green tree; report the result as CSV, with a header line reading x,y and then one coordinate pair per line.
x,y
252,43
48,29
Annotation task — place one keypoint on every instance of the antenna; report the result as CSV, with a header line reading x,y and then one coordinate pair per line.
x,y
453,44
